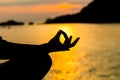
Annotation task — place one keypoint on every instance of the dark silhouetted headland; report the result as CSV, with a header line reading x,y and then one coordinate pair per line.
x,y
11,23
98,11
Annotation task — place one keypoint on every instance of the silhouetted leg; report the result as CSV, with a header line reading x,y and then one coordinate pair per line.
x,y
33,70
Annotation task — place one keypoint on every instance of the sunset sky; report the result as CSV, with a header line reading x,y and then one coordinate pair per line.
x,y
38,10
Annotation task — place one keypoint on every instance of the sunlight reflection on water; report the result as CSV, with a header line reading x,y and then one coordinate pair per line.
x,y
95,57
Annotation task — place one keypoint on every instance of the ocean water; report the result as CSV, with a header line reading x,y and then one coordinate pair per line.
x,y
95,57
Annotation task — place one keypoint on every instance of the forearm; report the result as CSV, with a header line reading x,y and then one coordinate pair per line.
x,y
10,49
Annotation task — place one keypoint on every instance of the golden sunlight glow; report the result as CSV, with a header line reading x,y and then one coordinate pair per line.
x,y
68,31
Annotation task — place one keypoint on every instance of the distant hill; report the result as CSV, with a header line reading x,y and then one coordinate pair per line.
x,y
98,11
11,22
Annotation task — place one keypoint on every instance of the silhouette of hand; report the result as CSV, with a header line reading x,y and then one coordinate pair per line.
x,y
56,45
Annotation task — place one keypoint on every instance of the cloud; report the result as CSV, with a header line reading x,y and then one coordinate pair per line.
x,y
80,1
45,8
18,2
34,2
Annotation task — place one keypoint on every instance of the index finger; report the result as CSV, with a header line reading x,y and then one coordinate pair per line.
x,y
65,35
58,34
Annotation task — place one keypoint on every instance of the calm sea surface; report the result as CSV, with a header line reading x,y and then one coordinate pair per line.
x,y
95,57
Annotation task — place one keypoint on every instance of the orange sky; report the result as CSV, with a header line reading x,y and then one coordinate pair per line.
x,y
45,8
38,11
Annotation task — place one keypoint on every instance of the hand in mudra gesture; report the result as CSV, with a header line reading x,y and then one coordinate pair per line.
x,y
25,63
56,45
